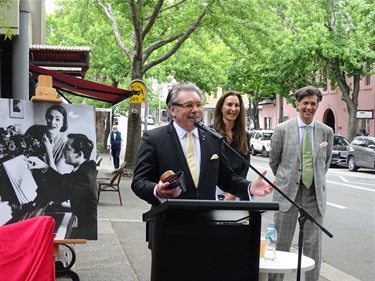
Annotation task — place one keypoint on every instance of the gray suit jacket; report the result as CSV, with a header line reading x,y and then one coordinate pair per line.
x,y
286,161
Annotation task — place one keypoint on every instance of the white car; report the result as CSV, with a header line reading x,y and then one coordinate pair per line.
x,y
260,142
150,120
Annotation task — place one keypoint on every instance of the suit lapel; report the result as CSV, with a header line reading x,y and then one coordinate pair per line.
x,y
294,137
204,148
175,143
318,139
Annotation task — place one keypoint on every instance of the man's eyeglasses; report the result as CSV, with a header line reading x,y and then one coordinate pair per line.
x,y
189,105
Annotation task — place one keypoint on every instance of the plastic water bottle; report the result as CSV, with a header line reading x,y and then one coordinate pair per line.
x,y
271,237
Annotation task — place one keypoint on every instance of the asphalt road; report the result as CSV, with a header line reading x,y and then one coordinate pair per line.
x,y
350,217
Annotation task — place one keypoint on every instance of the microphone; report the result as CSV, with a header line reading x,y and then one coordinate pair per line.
x,y
211,131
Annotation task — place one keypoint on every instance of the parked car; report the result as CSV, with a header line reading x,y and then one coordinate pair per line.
x,y
260,142
361,153
339,150
150,120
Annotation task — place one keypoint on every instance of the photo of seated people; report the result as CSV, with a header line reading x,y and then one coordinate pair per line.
x,y
47,166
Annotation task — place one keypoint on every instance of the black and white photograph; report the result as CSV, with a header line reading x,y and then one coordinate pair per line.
x,y
16,108
47,165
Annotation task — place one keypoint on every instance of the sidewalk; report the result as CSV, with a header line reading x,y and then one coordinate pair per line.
x,y
121,251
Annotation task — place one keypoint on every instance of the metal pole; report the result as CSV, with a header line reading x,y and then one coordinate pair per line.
x,y
159,106
20,60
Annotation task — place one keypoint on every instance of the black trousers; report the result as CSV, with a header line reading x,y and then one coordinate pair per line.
x,y
116,149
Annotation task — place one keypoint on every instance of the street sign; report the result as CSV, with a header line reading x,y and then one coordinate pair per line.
x,y
141,91
103,109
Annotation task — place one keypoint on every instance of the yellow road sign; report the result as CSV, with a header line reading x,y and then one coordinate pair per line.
x,y
141,91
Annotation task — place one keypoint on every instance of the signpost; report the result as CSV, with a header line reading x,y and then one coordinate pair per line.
x,y
140,96
141,91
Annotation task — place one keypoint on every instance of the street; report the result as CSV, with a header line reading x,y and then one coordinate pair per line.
x,y
350,214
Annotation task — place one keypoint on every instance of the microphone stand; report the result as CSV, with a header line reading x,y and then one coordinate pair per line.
x,y
304,215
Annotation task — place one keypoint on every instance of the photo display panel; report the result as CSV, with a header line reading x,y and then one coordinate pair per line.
x,y
47,165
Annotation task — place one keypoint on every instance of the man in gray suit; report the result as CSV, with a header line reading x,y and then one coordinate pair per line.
x,y
286,161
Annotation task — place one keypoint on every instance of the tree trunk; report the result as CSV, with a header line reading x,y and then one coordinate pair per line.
x,y
351,101
134,130
255,115
102,130
281,109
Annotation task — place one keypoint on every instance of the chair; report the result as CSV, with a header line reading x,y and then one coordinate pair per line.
x,y
98,162
112,184
27,250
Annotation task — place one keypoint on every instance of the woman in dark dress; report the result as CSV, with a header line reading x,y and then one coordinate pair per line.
x,y
230,121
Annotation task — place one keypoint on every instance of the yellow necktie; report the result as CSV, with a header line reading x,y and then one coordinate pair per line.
x,y
190,157
307,160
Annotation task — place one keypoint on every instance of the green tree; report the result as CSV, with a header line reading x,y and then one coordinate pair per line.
x,y
329,39
146,33
202,59
5,6
284,45
149,33
245,28
348,50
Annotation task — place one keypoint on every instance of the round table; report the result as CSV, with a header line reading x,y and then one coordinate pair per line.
x,y
285,262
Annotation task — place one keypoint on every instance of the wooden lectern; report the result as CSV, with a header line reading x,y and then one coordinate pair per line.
x,y
206,239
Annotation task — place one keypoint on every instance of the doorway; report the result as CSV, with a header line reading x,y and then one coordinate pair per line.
x,y
329,119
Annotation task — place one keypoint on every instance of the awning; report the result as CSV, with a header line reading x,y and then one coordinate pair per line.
x,y
87,88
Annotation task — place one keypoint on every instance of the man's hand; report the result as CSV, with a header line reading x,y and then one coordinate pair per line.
x,y
162,191
108,147
260,187
229,197
48,145
35,163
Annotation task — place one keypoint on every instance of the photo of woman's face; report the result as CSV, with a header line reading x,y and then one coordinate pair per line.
x,y
55,121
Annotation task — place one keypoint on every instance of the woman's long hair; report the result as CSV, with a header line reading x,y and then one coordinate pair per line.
x,y
239,129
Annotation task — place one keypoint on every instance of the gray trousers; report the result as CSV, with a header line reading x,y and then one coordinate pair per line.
x,y
285,224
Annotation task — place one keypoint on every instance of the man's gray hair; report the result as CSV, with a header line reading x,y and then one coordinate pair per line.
x,y
176,88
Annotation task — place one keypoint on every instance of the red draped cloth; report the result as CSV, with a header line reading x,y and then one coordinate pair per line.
x,y
26,250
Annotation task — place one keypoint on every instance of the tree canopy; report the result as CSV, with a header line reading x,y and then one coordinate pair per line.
x,y
257,47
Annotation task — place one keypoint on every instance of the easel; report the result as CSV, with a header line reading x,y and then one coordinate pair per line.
x,y
62,270
46,93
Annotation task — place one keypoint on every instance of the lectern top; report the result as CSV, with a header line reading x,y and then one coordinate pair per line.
x,y
178,205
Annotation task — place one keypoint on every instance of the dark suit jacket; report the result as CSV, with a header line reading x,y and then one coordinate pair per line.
x,y
160,150
80,188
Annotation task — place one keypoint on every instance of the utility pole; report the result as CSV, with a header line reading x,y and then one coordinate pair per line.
x,y
281,109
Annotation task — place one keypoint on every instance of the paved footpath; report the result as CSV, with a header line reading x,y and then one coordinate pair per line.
x,y
121,252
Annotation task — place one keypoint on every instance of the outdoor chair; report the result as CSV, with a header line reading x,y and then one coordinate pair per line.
x,y
112,184
98,163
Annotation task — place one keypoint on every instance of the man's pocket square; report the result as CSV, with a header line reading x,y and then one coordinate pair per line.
x,y
324,144
215,156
